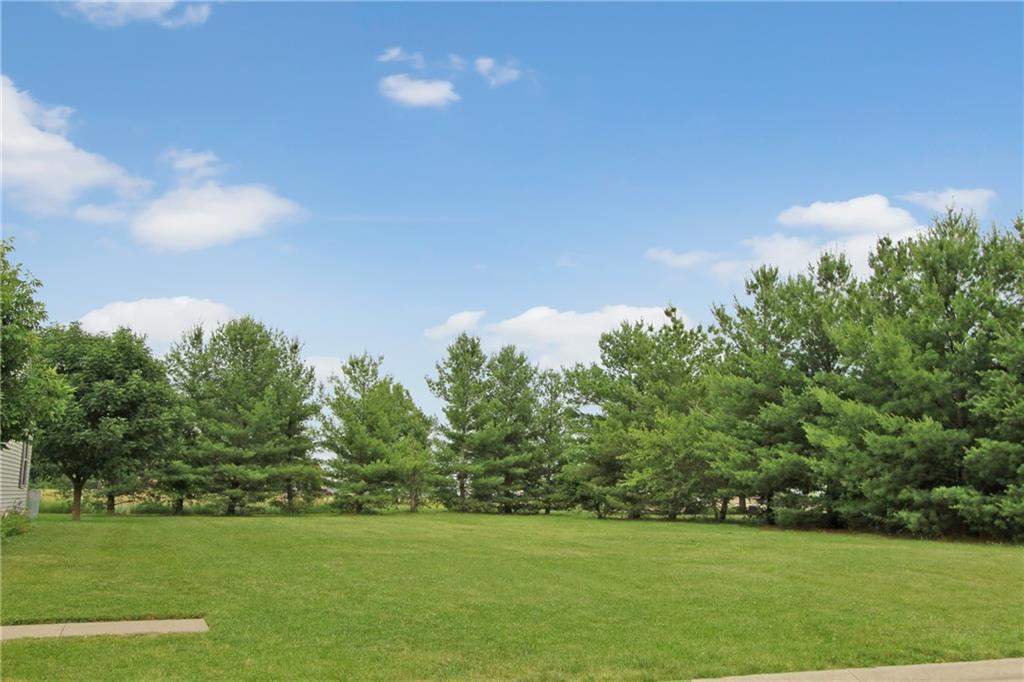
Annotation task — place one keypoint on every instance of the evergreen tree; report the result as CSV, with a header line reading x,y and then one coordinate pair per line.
x,y
379,438
914,423
504,462
251,401
462,386
647,378
185,472
554,441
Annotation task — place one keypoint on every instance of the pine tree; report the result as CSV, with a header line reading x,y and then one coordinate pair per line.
x,y
250,399
461,385
379,438
909,425
554,440
504,461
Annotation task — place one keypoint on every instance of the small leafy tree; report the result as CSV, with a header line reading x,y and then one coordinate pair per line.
x,y
120,413
30,389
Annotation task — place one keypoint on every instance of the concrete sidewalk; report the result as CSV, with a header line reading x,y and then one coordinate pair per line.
x,y
1001,670
110,627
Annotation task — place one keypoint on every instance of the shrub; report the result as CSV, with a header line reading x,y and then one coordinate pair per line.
x,y
788,517
150,507
13,523
54,506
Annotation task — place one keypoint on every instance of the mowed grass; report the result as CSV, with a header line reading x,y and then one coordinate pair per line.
x,y
453,596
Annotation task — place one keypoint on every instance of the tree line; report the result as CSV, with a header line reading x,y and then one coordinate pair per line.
x,y
892,402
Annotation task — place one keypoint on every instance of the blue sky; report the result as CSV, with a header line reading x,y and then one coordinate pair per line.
x,y
380,176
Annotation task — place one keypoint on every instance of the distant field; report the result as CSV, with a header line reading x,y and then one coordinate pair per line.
x,y
442,595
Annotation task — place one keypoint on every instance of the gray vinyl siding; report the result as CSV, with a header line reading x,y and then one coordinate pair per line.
x,y
13,482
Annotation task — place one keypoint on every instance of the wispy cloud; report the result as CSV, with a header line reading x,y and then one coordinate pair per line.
x,y
164,13
397,54
852,227
193,165
495,73
676,259
456,324
975,200
552,337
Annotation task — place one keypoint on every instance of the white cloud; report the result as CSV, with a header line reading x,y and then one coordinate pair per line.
x,y
197,217
192,164
457,62
162,12
103,214
324,366
455,325
43,171
556,338
789,254
675,259
792,255
871,213
414,92
162,320
976,200
497,74
860,221
397,54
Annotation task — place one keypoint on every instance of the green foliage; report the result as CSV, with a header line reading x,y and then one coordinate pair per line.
x,y
637,453
248,405
379,438
894,403
461,384
506,433
504,462
30,389
14,523
120,415
923,429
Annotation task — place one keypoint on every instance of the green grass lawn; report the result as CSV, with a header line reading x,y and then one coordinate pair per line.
x,y
441,595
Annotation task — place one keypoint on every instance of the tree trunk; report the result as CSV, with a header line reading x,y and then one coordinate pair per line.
x,y
743,504
76,500
289,493
462,487
110,504
634,513
769,513
723,509
414,500
672,515
231,508
547,509
178,506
